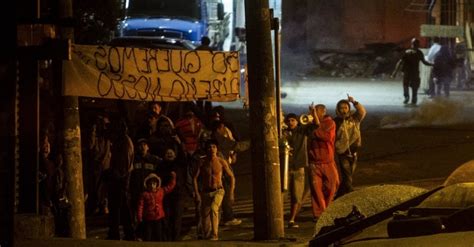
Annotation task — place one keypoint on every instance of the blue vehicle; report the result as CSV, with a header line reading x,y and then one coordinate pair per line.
x,y
179,19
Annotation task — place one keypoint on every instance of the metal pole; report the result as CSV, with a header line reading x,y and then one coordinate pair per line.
x,y
276,37
267,201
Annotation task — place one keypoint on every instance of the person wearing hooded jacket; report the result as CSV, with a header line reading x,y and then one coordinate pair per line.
x,y
150,207
348,140
322,166
144,164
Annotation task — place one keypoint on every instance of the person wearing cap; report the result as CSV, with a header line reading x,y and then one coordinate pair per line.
x,y
144,164
297,136
150,207
409,63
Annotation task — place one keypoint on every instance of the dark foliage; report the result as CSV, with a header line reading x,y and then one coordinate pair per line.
x,y
96,20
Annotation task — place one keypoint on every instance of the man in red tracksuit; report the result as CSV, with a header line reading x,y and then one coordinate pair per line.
x,y
323,170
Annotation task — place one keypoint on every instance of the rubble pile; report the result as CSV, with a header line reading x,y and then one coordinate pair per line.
x,y
376,60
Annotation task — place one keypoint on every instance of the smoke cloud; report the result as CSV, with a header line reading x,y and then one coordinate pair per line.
x,y
440,111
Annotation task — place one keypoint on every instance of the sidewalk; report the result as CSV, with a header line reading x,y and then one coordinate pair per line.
x,y
243,209
243,233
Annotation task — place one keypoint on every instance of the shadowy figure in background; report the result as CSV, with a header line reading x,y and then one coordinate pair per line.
x,y
52,186
120,166
443,68
462,71
99,154
409,63
157,108
430,57
205,44
153,119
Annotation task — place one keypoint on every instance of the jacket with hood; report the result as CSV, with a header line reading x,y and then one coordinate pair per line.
x,y
150,205
348,137
321,149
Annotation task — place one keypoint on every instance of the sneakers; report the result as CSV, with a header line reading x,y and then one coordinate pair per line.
x,y
233,222
293,225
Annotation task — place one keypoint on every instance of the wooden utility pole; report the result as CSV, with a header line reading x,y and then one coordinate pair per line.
x,y
72,144
267,201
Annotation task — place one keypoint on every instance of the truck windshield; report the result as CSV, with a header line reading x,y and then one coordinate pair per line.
x,y
165,8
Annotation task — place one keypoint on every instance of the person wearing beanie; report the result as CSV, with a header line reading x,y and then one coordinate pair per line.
x,y
297,135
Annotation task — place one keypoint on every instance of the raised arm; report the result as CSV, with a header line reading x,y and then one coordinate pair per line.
x,y
423,60
230,174
197,196
359,107
170,186
308,129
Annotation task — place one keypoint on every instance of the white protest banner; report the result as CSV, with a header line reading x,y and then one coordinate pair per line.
x,y
151,74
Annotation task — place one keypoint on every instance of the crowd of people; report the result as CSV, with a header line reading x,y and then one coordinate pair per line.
x,y
142,179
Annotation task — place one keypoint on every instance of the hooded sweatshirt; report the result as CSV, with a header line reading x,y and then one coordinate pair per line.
x,y
321,149
150,205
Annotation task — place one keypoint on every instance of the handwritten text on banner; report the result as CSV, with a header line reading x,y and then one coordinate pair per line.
x,y
151,74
